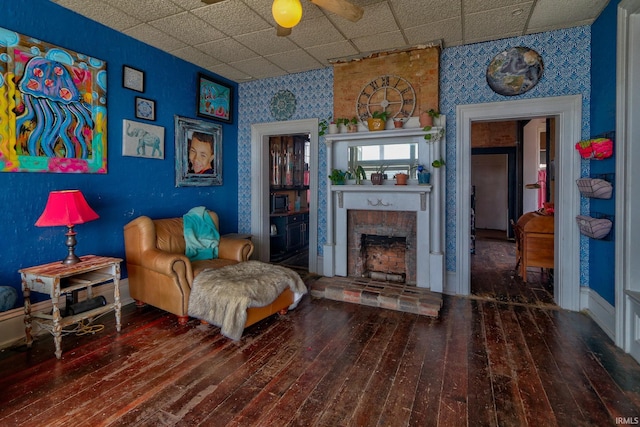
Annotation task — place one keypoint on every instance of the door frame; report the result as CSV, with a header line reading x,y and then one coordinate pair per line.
x,y
568,110
260,224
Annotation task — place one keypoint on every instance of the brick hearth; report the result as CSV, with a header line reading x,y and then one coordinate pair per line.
x,y
392,296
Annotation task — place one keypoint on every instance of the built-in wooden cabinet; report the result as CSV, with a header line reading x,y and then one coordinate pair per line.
x,y
289,194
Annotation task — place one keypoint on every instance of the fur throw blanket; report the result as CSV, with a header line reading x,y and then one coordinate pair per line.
x,y
221,296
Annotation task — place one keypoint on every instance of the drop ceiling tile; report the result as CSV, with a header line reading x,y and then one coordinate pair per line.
x,y
380,42
233,18
494,24
231,73
377,19
555,14
449,31
195,56
102,13
410,14
324,53
154,37
189,28
266,42
258,68
146,10
189,4
227,50
472,6
315,32
294,61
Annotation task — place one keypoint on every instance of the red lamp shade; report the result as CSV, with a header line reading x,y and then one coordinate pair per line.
x,y
67,207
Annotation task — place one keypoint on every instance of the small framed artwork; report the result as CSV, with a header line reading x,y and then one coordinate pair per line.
x,y
198,153
145,109
142,140
215,99
132,78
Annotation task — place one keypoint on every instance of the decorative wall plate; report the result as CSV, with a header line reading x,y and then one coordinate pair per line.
x,y
515,71
283,105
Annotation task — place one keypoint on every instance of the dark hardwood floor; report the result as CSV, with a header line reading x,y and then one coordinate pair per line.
x,y
494,277
329,363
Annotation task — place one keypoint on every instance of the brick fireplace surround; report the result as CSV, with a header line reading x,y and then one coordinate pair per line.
x,y
382,223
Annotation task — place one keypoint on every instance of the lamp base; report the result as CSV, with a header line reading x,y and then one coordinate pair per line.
x,y
71,258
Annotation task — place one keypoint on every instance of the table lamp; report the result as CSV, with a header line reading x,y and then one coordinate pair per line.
x,y
68,208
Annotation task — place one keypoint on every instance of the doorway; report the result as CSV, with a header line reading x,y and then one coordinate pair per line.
x,y
509,177
260,185
568,112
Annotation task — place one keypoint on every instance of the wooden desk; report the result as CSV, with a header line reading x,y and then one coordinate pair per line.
x,y
534,241
56,279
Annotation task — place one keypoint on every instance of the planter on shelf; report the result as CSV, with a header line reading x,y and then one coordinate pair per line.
x,y
401,178
426,117
377,178
424,178
398,123
333,128
352,127
378,120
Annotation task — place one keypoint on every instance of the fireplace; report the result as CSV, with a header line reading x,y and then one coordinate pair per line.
x,y
382,245
412,212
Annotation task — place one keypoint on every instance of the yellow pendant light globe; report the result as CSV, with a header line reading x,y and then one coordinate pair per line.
x,y
287,13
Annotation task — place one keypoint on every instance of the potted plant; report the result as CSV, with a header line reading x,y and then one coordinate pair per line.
x,y
333,126
337,177
398,122
438,163
358,174
352,125
378,120
401,178
323,125
378,176
426,117
424,176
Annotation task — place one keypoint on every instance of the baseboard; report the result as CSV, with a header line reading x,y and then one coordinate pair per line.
x,y
596,307
12,321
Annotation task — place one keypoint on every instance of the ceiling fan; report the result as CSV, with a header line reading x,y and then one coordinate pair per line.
x,y
342,8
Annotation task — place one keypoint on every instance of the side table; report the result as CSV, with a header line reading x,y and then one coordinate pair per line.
x,y
56,279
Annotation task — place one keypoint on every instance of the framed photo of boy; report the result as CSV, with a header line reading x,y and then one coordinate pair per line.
x,y
215,99
198,153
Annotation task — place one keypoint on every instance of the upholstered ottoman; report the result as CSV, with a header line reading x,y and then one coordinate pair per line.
x,y
226,296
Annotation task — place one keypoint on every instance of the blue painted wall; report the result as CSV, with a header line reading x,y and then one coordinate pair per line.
x,y
133,186
603,119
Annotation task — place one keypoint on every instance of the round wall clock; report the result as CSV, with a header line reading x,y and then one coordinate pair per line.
x,y
515,71
283,105
386,93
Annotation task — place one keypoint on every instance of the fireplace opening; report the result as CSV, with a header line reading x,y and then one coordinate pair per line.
x,y
383,257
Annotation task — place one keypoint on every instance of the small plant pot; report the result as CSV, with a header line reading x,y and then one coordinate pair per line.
x,y
424,178
333,128
398,123
375,124
377,178
401,178
425,120
352,127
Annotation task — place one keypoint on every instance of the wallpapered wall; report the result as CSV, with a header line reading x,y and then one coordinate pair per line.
x,y
566,55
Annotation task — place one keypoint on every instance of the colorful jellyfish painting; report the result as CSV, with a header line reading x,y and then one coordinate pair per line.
x,y
63,124
52,108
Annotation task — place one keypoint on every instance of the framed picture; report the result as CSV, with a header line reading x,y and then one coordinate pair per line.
x,y
198,153
142,140
53,108
215,99
132,78
145,109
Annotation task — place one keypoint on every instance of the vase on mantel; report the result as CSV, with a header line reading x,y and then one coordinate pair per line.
x,y
425,119
401,178
376,178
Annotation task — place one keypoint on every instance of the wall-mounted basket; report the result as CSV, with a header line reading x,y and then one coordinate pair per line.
x,y
596,228
597,149
595,188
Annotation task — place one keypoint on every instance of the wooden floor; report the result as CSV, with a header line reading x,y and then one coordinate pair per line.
x,y
329,363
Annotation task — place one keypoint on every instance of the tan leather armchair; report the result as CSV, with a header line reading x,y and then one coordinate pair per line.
x,y
159,272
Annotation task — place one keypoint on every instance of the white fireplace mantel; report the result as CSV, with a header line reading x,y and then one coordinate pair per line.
x,y
425,200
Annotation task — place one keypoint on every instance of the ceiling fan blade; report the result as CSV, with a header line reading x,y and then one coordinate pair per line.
x,y
341,8
211,1
282,31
